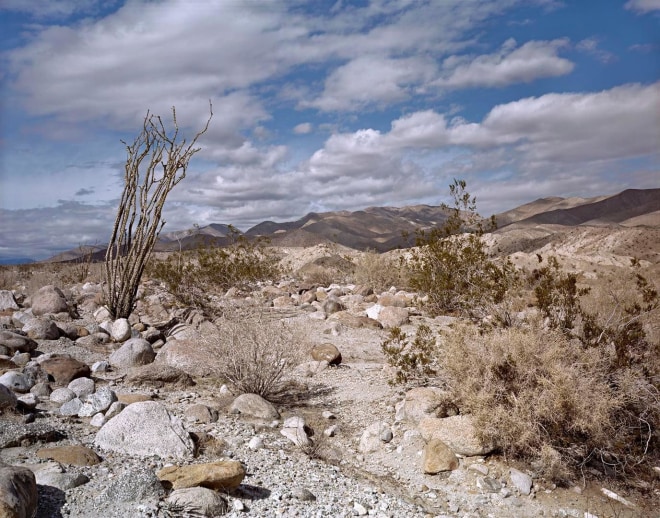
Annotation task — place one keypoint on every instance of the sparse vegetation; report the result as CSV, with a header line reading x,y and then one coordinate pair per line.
x,y
412,360
138,222
379,271
193,276
452,265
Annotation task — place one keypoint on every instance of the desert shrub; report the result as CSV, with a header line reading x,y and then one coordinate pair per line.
x,y
327,270
412,360
540,396
192,276
452,265
255,353
379,271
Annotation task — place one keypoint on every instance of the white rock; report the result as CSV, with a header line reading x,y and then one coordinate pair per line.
x,y
98,420
522,481
373,311
102,366
16,381
256,443
120,330
62,395
82,387
102,314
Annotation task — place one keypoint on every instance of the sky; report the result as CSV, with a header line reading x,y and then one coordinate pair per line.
x,y
320,105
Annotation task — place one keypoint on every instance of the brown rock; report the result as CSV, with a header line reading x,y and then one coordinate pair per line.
x,y
158,375
18,492
355,321
77,455
222,475
392,316
326,352
187,355
457,432
422,402
387,299
438,457
129,399
63,369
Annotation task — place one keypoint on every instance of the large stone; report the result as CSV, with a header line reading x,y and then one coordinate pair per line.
x,y
521,481
223,475
41,329
457,432
120,330
18,492
17,381
422,402
326,352
82,387
253,405
64,369
392,316
62,395
100,401
49,299
77,455
199,500
189,356
15,342
438,457
22,434
158,375
137,485
133,353
7,300
145,429
388,299
7,397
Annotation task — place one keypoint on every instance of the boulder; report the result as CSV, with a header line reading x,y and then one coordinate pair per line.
x,y
422,402
18,492
62,395
392,316
188,356
49,299
100,401
7,398
77,455
132,353
22,434
16,381
145,429
137,485
64,369
521,481
7,301
457,432
222,475
199,501
82,387
15,342
253,405
158,375
326,352
120,331
388,299
41,329
437,457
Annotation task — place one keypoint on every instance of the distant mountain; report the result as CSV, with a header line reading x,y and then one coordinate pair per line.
x,y
384,228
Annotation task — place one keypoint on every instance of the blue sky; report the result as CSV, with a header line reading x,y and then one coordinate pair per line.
x,y
321,105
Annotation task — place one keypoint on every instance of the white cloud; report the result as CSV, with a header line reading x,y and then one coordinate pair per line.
x,y
303,128
533,60
643,6
54,8
590,46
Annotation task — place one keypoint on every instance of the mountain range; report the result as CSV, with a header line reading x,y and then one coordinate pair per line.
x,y
387,228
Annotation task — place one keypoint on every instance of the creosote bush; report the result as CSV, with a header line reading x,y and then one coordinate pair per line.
x,y
380,271
256,353
452,265
192,276
412,360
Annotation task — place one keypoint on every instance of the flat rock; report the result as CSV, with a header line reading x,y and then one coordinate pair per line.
x,y
16,342
222,475
136,485
457,432
253,405
77,455
158,375
145,429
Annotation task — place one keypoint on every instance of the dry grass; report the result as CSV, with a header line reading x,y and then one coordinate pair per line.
x,y
380,271
544,398
255,352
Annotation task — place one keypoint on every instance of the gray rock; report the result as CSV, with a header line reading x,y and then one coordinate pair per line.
x,y
17,381
28,401
16,342
199,501
7,300
133,486
49,299
7,398
114,409
61,481
41,329
71,407
144,429
201,414
102,366
133,353
488,484
62,395
82,386
98,420
254,405
18,492
188,356
120,330
41,389
392,316
303,494
18,434
522,481
371,440
100,401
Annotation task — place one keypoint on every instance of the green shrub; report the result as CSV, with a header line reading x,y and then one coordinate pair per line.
x,y
192,276
452,265
411,360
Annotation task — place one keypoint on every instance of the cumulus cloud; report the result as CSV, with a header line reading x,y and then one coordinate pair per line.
x,y
512,64
303,128
643,6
